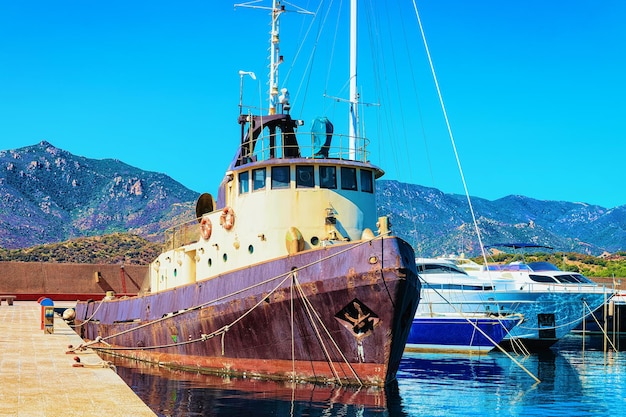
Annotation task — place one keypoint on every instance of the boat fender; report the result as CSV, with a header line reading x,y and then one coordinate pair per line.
x,y
227,218
206,228
294,241
69,314
367,234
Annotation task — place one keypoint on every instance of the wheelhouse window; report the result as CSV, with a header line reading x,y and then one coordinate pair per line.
x,y
305,176
367,181
328,177
348,178
280,177
244,184
258,179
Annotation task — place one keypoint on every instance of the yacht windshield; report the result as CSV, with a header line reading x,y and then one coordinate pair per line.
x,y
542,278
543,266
439,269
574,278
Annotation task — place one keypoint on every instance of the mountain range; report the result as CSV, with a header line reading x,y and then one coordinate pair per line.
x,y
50,195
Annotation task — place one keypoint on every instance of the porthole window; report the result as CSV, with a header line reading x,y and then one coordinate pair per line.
x,y
175,272
315,241
209,262
250,249
225,257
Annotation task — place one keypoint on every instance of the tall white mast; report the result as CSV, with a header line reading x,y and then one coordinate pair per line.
x,y
275,58
354,95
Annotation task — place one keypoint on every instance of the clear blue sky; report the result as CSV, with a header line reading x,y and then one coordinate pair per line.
x,y
534,90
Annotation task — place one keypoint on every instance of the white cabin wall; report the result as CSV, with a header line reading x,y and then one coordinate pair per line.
x,y
259,233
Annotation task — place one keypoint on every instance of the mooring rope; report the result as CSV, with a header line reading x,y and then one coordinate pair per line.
x,y
307,302
496,345
88,319
606,337
291,313
224,329
203,337
319,338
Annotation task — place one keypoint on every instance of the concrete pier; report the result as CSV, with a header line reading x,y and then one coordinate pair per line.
x,y
38,377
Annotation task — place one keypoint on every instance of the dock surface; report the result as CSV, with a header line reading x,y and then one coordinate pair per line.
x,y
37,376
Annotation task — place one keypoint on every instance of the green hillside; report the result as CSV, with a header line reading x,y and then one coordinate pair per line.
x,y
116,248
610,266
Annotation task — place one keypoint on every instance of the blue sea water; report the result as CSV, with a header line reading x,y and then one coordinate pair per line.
x,y
573,382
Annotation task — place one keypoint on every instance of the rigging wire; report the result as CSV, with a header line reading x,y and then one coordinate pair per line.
x,y
445,116
496,345
390,92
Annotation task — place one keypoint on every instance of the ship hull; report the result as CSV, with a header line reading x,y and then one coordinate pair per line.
x,y
459,333
339,314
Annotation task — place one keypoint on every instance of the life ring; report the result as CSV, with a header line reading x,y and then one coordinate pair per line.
x,y
227,218
206,227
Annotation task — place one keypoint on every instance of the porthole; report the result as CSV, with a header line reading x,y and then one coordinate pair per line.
x,y
315,241
250,249
175,272
209,262
225,257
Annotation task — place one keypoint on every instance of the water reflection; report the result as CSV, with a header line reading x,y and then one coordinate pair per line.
x,y
179,393
572,383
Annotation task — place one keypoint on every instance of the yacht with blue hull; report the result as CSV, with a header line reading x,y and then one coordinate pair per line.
x,y
466,333
289,274
450,318
551,302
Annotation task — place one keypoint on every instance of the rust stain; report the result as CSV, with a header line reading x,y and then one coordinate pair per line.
x,y
280,295
312,288
305,371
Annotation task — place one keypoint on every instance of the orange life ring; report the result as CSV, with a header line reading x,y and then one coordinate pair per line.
x,y
227,218
206,227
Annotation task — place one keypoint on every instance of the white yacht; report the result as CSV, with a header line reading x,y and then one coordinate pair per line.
x,y
552,302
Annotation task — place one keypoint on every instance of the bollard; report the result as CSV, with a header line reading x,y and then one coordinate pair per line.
x,y
47,315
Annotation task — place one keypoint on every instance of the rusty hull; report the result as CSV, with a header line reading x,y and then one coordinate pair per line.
x,y
350,327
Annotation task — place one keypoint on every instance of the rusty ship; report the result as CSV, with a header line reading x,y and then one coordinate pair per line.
x,y
289,274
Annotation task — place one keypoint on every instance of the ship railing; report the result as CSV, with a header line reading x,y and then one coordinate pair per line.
x,y
269,146
181,235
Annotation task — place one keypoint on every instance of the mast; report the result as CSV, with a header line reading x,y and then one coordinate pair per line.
x,y
354,95
275,58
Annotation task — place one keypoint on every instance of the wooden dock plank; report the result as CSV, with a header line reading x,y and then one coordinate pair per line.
x,y
38,376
